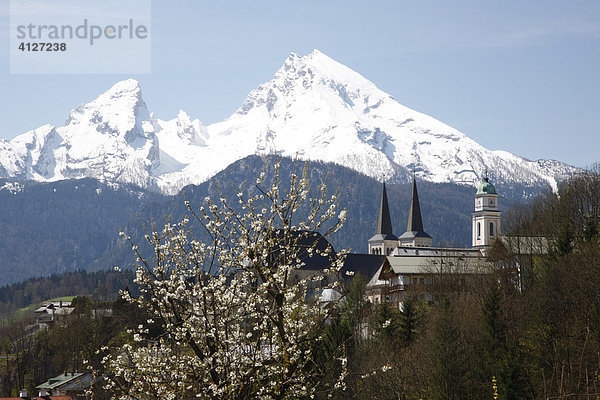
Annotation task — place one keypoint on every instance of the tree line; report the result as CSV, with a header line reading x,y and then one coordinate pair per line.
x,y
99,285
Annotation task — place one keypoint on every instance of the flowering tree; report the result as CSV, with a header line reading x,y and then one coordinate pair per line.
x,y
235,325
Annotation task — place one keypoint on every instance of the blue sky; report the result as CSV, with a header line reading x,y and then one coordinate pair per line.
x,y
517,76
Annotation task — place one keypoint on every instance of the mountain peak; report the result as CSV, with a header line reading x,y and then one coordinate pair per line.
x,y
318,55
182,115
124,87
127,91
318,63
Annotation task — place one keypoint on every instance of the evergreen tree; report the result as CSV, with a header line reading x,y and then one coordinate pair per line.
x,y
502,358
590,230
408,323
564,242
449,369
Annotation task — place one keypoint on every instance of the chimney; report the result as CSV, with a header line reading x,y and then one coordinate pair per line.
x,y
60,304
23,393
43,393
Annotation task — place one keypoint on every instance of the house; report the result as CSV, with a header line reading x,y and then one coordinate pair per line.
x,y
70,384
52,312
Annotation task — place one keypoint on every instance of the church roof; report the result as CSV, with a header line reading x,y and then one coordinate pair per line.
x,y
415,234
414,227
364,264
486,187
384,222
321,255
382,236
415,223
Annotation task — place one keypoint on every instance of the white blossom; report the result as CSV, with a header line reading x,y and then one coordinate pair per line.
x,y
235,324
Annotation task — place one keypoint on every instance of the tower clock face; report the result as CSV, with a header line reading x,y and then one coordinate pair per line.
x,y
491,202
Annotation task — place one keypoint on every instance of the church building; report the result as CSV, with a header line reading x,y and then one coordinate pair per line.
x,y
412,262
399,268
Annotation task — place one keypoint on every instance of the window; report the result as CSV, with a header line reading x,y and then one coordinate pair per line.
x,y
491,202
479,230
491,229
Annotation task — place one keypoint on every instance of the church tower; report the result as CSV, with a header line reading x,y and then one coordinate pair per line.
x,y
384,241
415,236
486,217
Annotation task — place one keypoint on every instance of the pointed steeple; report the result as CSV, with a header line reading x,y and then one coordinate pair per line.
x,y
384,222
415,235
415,222
384,241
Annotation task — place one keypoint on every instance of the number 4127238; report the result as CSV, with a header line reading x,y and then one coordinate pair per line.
x,y
42,46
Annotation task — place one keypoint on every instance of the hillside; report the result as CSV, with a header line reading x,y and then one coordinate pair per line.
x,y
56,227
446,208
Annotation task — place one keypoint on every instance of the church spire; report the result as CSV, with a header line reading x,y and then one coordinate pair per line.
x,y
384,222
415,222
384,241
415,236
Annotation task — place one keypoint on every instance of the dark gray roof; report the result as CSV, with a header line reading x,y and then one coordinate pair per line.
x,y
414,227
384,222
415,234
364,264
303,241
415,223
382,236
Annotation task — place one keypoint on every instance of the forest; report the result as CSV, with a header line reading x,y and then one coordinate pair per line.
x,y
528,329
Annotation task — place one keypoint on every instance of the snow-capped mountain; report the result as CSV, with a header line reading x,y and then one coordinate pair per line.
x,y
314,108
111,138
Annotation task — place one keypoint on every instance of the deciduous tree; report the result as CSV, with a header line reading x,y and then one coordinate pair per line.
x,y
235,324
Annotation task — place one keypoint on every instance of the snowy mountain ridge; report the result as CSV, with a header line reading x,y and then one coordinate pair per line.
x,y
314,108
